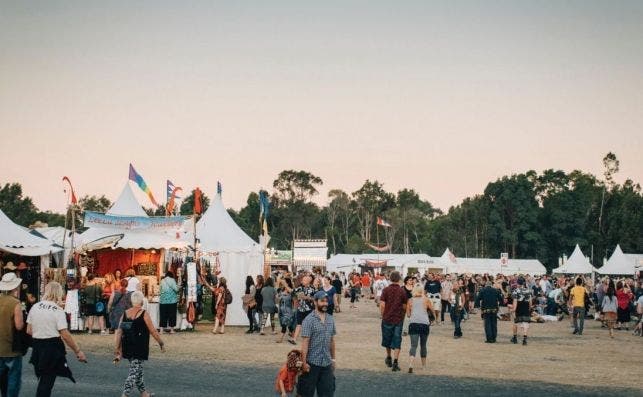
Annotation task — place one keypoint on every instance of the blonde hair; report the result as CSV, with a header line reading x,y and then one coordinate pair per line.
x,y
137,298
109,278
53,292
418,290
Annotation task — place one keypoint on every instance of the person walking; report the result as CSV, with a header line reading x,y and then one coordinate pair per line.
x,y
47,324
577,298
11,323
269,305
168,302
489,300
624,297
286,312
392,308
417,310
521,308
338,285
259,284
220,299
250,304
318,351
432,288
609,307
133,343
457,310
446,289
332,293
304,301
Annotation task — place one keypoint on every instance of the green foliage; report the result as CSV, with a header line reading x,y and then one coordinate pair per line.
x,y
187,206
19,209
94,203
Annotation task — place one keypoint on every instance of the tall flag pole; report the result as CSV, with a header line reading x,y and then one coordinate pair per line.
x,y
73,201
138,179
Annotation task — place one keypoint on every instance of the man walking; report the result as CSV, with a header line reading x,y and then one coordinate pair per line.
x,y
521,297
318,351
392,310
432,288
11,318
489,299
577,297
445,296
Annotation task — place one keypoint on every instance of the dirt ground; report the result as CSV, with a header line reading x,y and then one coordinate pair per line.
x,y
553,354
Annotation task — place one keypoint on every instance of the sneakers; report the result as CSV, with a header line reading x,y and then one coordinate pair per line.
x,y
396,367
388,362
575,332
514,339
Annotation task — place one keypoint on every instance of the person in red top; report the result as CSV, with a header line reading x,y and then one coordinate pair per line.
x,y
392,309
287,376
355,284
366,285
624,297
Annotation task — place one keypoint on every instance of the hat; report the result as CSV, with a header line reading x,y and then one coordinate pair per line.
x,y
10,282
320,295
10,266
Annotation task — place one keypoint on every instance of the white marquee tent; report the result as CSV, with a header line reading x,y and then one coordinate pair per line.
x,y
401,262
491,265
577,263
239,255
17,240
622,264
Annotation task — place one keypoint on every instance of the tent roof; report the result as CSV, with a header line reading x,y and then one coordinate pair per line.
x,y
56,233
127,204
621,263
217,231
394,260
493,266
577,263
15,239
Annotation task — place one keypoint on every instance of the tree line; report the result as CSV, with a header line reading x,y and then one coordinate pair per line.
x,y
528,215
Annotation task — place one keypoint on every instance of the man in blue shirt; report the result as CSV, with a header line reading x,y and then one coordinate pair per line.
x,y
318,351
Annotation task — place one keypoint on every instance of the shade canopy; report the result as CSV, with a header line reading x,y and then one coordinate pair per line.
x,y
17,240
577,263
621,263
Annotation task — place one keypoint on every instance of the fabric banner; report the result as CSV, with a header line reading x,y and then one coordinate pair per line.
x,y
161,223
373,263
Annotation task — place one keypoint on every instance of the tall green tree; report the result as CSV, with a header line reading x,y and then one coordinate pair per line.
x,y
20,209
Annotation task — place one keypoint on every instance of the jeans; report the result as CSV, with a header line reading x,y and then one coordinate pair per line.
x,y
318,378
13,366
446,306
579,314
491,326
457,320
45,384
422,338
251,319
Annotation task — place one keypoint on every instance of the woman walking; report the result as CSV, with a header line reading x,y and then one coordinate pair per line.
x,y
118,303
268,305
168,302
133,343
624,296
259,283
333,295
417,312
286,311
47,324
610,307
250,304
457,310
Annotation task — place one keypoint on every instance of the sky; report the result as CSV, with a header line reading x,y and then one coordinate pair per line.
x,y
442,97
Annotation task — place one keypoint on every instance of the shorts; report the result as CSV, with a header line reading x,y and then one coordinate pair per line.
x,y
90,310
301,316
522,319
436,301
392,335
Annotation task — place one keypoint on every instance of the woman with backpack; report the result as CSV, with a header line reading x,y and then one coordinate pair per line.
x,y
133,343
222,298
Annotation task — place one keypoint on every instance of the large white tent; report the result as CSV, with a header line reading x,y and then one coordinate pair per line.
x,y
17,240
240,256
59,236
127,205
401,262
621,263
577,263
491,265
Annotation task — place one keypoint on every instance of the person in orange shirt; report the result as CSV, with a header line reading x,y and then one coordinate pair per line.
x,y
355,285
366,285
287,376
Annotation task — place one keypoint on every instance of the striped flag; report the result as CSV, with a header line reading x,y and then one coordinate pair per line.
x,y
169,190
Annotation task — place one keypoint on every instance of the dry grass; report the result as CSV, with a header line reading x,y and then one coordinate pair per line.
x,y
553,354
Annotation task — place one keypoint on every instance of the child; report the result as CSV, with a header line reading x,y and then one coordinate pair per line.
x,y
287,376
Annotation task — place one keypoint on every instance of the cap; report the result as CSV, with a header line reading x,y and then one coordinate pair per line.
x,y
320,295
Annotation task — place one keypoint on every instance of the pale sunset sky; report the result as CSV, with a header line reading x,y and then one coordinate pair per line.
x,y
442,97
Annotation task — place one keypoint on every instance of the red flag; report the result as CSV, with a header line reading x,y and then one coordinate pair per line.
x,y
197,201
170,205
73,194
382,222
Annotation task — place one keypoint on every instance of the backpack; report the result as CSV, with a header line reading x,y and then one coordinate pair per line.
x,y
228,297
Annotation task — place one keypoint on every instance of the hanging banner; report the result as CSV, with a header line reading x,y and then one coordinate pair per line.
x,y
161,223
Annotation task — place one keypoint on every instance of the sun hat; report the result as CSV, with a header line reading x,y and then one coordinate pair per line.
x,y
10,266
10,282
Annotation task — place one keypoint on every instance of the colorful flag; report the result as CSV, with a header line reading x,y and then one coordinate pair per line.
x,y
169,208
135,177
197,201
170,190
264,211
73,194
382,222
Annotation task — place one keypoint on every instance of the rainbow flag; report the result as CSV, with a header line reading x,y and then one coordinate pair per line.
x,y
135,177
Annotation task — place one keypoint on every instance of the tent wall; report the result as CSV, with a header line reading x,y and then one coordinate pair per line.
x,y
108,260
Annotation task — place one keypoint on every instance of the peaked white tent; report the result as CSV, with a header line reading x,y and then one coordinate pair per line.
x,y
17,240
239,255
577,263
491,265
622,264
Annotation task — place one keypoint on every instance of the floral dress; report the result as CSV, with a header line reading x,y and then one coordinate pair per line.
x,y
221,306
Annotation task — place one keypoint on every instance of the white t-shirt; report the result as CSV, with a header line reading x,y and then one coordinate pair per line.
x,y
46,319
379,286
132,284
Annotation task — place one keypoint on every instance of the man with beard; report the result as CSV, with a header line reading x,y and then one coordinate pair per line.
x,y
303,301
318,351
